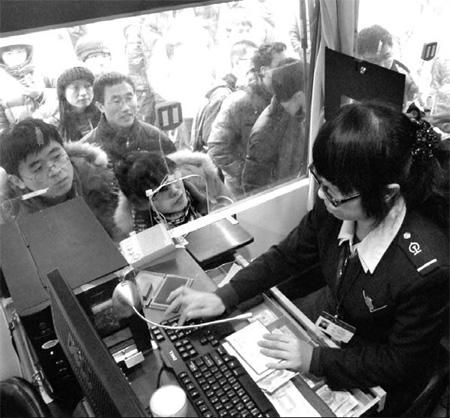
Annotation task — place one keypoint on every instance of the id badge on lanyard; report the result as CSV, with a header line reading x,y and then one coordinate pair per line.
x,y
338,330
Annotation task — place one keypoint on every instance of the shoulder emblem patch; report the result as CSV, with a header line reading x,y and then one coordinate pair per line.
x,y
419,255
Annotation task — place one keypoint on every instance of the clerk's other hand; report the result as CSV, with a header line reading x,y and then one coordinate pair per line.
x,y
194,304
294,354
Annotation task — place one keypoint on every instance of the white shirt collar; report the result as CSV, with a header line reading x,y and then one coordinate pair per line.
x,y
372,248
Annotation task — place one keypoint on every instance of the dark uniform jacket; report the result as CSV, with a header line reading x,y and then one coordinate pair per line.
x,y
394,346
140,136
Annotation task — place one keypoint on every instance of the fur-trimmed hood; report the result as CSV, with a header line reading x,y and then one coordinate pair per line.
x,y
199,163
188,162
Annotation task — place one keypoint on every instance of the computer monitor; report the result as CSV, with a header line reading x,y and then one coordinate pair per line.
x,y
105,386
348,80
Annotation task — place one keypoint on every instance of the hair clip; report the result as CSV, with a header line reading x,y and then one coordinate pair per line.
x,y
39,136
427,141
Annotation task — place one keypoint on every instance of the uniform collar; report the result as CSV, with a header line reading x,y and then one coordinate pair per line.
x,y
372,248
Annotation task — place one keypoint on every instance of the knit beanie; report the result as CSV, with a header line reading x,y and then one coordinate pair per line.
x,y
70,75
88,45
287,80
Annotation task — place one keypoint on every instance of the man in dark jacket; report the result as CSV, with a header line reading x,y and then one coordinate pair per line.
x,y
40,171
119,131
277,147
227,143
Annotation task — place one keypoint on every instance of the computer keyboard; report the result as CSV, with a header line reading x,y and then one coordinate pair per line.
x,y
215,382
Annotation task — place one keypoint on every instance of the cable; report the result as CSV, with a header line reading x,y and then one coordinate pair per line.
x,y
160,372
150,193
204,324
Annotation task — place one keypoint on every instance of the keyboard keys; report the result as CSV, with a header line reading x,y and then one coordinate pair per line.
x,y
215,382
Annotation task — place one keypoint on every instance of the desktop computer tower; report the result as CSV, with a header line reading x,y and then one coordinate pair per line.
x,y
67,237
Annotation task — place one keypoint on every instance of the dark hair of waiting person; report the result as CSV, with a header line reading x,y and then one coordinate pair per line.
x,y
26,137
370,145
139,171
263,56
369,39
109,79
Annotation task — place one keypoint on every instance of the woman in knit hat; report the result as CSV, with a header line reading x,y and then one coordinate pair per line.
x,y
77,111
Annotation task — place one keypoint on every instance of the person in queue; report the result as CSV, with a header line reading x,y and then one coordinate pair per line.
x,y
375,45
183,184
35,158
277,149
25,92
119,131
78,114
377,243
227,142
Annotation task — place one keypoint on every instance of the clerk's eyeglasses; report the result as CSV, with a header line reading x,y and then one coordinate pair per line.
x,y
326,192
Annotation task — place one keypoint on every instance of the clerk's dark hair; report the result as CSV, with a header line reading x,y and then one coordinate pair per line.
x,y
367,146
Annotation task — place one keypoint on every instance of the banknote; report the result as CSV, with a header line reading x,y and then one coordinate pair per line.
x,y
337,400
271,382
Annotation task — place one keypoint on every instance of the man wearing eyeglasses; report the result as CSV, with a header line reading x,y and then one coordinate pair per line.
x,y
42,171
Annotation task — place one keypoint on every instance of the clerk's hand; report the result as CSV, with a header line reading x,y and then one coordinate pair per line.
x,y
294,354
194,304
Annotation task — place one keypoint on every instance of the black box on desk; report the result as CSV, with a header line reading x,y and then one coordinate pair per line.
x,y
67,237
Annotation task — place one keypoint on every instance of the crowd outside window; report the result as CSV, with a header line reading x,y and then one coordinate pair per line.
x,y
277,148
227,143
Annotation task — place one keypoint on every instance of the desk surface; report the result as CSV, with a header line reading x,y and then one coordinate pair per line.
x,y
144,378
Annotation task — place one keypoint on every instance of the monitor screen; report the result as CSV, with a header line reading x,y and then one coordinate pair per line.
x,y
105,386
349,80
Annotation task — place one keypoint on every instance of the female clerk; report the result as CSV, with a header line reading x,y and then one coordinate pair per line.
x,y
378,237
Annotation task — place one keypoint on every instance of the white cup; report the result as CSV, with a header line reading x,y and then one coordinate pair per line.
x,y
169,401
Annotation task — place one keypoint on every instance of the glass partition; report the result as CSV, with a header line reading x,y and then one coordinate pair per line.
x,y
196,56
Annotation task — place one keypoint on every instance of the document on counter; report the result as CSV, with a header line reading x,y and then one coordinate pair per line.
x,y
286,398
245,342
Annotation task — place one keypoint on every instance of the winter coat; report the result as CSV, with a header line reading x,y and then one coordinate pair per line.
x,y
277,148
399,311
227,143
203,121
189,163
93,181
17,101
140,136
440,84
411,89
78,125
